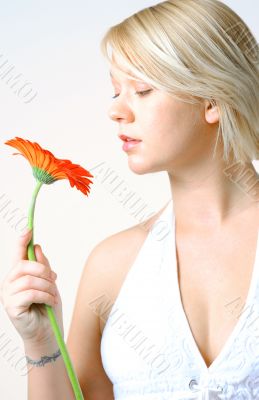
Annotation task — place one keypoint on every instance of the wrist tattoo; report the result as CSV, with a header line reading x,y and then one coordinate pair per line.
x,y
44,359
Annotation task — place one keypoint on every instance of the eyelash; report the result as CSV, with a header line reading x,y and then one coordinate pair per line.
x,y
141,93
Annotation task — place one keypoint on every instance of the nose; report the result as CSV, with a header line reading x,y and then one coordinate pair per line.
x,y
120,111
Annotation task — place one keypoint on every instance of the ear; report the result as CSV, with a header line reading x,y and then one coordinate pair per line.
x,y
211,112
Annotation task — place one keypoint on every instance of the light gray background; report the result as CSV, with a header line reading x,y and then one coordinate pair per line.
x,y
55,46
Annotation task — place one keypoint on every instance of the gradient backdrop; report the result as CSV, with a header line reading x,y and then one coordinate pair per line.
x,y
62,102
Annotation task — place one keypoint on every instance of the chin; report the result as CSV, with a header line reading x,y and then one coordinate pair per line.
x,y
141,168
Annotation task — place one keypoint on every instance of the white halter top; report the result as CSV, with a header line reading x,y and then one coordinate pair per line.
x,y
147,347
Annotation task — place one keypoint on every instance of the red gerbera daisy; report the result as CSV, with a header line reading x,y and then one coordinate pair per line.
x,y
48,169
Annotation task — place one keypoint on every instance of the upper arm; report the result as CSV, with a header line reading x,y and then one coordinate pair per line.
x,y
84,336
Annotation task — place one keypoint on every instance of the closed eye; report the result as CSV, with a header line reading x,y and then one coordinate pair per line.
x,y
141,93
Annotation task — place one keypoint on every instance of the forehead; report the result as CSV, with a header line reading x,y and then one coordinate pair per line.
x,y
117,72
120,69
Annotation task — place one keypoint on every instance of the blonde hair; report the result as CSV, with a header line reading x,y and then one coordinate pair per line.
x,y
195,50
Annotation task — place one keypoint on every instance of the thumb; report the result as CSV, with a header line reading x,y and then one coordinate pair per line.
x,y
22,244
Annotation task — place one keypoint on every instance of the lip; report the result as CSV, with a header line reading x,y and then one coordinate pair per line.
x,y
129,142
124,138
129,145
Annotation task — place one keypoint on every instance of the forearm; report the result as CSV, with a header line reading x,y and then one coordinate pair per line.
x,y
49,381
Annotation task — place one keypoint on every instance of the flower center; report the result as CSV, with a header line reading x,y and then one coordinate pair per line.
x,y
43,176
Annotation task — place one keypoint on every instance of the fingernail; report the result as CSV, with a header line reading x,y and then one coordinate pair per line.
x,y
26,231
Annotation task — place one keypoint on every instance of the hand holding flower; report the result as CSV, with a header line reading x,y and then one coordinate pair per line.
x,y
24,291
28,284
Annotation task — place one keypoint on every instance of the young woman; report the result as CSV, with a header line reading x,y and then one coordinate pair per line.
x,y
172,316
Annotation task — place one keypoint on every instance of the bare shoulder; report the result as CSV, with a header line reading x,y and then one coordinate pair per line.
x,y
122,246
104,271
111,258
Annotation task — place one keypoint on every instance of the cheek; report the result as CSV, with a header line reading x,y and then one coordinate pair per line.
x,y
175,133
174,125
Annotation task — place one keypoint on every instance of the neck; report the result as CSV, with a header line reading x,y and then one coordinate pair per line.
x,y
209,195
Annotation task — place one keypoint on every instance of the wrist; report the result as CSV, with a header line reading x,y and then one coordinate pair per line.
x,y
44,359
36,349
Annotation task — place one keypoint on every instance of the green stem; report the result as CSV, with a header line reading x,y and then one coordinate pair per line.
x,y
51,314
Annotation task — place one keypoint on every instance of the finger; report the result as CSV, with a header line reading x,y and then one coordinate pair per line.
x,y
27,282
33,268
21,247
28,297
40,256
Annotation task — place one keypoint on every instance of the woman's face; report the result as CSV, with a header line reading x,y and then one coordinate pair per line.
x,y
173,133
